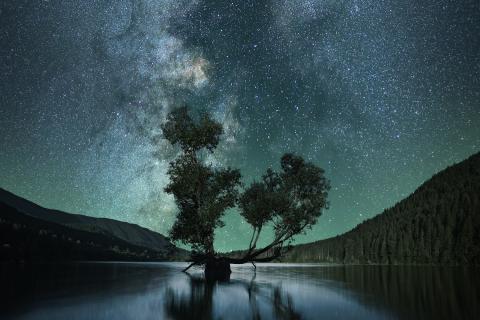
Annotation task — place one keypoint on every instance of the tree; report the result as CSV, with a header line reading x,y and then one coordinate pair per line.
x,y
202,193
289,201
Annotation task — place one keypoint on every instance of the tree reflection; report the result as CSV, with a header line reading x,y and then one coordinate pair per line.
x,y
198,301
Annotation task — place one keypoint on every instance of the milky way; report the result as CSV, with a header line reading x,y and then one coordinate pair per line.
x,y
381,94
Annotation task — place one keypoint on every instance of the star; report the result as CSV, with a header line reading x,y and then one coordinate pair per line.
x,y
380,95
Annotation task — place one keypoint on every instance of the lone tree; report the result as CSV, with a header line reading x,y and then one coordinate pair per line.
x,y
289,201
201,192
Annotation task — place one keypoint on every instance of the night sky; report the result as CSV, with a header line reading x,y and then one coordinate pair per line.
x,y
381,94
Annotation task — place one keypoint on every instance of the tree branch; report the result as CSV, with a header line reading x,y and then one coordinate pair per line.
x,y
191,265
251,240
254,245
279,240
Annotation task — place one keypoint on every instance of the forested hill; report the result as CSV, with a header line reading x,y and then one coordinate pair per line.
x,y
438,224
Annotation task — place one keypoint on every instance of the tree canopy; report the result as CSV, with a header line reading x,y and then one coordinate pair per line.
x,y
192,136
290,200
202,193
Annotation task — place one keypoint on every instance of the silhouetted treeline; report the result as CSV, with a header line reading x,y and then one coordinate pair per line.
x,y
438,224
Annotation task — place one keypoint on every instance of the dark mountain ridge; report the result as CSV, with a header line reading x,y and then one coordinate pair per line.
x,y
439,223
128,232
29,239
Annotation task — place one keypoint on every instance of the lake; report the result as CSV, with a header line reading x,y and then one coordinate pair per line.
x,y
274,291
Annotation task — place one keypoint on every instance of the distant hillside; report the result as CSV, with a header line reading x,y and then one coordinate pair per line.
x,y
128,232
26,238
438,224
131,234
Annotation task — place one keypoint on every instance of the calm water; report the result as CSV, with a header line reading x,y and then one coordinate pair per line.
x,y
161,291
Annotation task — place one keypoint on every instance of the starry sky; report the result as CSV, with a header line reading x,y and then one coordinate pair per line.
x,y
381,94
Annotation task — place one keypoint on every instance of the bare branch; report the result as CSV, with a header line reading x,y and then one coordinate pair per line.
x,y
256,238
251,240
278,241
191,265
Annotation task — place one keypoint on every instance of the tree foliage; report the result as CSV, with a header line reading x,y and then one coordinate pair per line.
x,y
290,201
202,193
192,136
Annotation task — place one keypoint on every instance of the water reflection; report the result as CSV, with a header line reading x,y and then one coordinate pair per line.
x,y
161,291
199,301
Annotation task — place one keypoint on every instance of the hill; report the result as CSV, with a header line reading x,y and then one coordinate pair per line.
x,y
439,223
25,238
22,218
128,232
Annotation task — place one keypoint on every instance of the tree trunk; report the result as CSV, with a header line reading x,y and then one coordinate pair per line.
x,y
217,269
